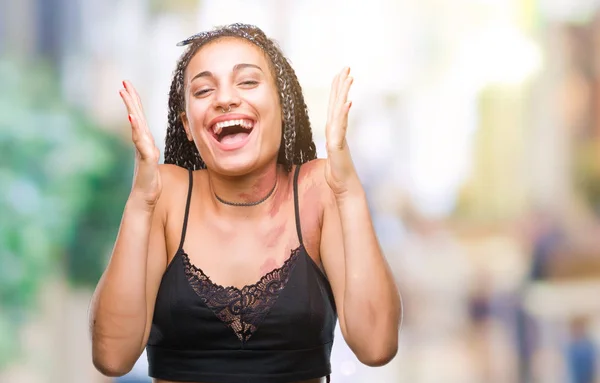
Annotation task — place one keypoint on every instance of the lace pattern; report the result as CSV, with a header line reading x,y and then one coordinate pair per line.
x,y
241,309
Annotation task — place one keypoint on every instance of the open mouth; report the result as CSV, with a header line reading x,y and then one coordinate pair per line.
x,y
232,131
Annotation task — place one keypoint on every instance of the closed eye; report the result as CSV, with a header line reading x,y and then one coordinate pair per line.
x,y
202,92
249,82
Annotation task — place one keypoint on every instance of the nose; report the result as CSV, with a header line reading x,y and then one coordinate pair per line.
x,y
226,99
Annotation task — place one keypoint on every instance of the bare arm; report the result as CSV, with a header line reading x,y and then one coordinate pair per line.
x,y
123,303
366,296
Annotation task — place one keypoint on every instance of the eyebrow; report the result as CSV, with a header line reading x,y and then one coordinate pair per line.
x,y
236,68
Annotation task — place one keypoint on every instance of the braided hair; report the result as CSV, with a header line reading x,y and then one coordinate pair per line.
x,y
297,146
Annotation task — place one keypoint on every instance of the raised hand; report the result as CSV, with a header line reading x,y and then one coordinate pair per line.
x,y
339,169
146,180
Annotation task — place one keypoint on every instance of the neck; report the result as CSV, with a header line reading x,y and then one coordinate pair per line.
x,y
250,191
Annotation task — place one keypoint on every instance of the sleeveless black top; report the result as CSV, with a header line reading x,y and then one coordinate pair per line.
x,y
278,330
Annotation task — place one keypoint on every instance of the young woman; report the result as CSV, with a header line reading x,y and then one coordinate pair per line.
x,y
235,259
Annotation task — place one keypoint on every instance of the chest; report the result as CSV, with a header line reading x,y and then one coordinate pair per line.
x,y
238,253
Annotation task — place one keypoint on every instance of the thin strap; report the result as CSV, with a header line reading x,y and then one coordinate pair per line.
x,y
328,378
296,204
187,210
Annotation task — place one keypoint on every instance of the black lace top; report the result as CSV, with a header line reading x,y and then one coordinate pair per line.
x,y
277,330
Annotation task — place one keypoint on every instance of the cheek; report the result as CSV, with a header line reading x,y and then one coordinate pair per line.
x,y
274,136
274,120
196,109
196,113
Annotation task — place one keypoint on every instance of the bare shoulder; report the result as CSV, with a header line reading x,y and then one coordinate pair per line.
x,y
175,181
313,171
175,185
173,173
312,177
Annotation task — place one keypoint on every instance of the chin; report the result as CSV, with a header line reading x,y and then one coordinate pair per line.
x,y
233,167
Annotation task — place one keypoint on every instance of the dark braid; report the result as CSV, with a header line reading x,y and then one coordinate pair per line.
x,y
297,144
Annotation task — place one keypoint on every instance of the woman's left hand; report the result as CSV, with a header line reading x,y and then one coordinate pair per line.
x,y
340,173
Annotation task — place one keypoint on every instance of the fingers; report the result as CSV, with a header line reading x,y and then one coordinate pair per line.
x,y
127,100
131,112
140,134
134,94
342,81
339,93
338,103
345,88
339,106
133,104
135,128
131,99
332,98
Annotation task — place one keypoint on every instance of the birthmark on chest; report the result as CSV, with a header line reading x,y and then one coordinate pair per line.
x,y
269,265
281,198
274,235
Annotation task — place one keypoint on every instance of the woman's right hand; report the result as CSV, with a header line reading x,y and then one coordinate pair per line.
x,y
146,179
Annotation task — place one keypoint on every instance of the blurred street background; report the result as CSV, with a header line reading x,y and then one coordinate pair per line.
x,y
475,128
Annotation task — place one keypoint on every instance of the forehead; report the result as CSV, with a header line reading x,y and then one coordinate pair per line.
x,y
221,55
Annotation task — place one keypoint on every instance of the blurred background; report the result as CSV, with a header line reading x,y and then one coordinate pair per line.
x,y
475,127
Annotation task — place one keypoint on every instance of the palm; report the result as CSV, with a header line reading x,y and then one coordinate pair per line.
x,y
146,178
338,168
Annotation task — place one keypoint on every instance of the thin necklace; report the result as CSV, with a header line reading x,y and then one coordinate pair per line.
x,y
247,203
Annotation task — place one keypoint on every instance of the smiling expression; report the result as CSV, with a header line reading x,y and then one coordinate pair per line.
x,y
232,108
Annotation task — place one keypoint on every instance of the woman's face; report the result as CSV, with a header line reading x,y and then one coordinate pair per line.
x,y
232,108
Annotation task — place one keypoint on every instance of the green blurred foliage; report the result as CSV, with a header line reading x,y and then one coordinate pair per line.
x,y
63,184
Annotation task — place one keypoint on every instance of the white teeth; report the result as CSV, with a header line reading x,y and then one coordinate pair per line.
x,y
220,125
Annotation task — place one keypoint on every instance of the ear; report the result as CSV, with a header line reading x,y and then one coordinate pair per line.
x,y
186,126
